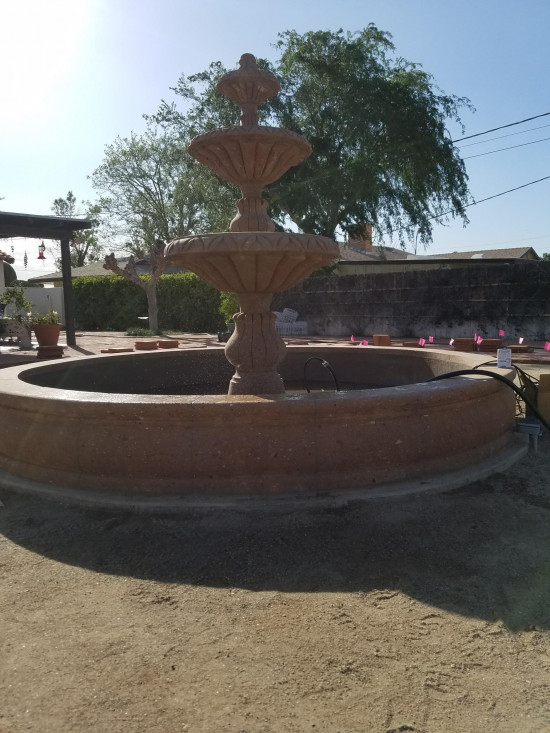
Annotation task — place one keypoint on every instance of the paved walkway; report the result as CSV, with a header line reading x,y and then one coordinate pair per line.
x,y
89,343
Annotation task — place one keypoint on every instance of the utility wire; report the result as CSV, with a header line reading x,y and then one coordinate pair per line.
x,y
494,129
474,203
511,147
488,198
501,137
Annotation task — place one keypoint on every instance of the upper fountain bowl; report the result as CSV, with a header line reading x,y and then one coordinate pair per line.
x,y
250,154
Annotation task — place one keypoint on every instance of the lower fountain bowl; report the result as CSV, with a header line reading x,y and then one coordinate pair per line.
x,y
98,429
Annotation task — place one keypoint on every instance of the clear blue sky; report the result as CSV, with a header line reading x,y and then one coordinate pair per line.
x,y
77,73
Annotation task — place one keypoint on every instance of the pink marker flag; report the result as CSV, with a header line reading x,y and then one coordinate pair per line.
x,y
352,339
421,342
475,337
520,340
431,339
451,342
501,332
479,340
364,343
547,346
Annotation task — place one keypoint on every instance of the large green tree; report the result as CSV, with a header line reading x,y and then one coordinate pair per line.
x,y
377,124
85,246
151,190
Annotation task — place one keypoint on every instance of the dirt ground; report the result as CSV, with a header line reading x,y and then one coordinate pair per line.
x,y
427,614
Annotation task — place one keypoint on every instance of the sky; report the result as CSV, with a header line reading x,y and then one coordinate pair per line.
x,y
75,74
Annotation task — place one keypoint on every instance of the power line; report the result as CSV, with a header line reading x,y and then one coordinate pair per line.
x,y
474,203
511,147
531,183
494,129
501,137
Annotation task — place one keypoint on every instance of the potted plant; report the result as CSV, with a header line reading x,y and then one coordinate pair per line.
x,y
46,328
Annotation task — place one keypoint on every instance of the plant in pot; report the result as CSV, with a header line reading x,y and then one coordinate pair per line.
x,y
46,327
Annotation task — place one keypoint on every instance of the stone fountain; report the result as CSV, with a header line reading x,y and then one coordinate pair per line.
x,y
252,259
141,431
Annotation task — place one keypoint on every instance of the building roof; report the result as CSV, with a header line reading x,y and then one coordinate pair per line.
x,y
358,254
96,269
523,253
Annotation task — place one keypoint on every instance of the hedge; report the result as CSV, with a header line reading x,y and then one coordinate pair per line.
x,y
111,303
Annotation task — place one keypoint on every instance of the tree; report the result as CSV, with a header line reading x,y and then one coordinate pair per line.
x,y
129,272
377,126
85,245
151,189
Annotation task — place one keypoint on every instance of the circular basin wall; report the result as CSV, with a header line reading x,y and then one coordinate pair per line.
x,y
85,424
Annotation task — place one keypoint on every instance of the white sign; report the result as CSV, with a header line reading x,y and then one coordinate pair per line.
x,y
504,358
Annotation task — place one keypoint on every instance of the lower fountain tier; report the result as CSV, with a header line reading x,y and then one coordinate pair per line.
x,y
259,262
80,425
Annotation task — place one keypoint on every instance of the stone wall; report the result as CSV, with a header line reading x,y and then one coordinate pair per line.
x,y
481,297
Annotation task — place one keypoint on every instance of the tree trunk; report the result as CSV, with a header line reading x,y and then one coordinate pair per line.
x,y
152,305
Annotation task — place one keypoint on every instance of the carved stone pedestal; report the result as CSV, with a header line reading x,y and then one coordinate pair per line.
x,y
255,349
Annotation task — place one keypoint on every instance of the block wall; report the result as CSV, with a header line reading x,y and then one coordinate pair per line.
x,y
481,298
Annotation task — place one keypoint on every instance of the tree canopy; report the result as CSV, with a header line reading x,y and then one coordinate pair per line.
x,y
85,246
377,125
152,189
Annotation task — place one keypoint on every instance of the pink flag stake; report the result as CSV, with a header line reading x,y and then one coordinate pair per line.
x,y
520,340
364,343
421,342
479,340
501,332
352,339
431,339
547,346
451,342
475,337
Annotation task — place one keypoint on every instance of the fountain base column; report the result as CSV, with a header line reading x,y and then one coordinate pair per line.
x,y
255,349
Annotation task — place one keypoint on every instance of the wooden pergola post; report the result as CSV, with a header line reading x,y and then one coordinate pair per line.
x,y
67,290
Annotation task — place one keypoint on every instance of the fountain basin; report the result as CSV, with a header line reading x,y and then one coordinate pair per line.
x,y
82,426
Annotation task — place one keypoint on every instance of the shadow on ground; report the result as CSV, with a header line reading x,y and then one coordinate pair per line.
x,y
481,551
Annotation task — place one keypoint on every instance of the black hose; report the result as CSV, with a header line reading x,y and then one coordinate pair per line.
x,y
500,378
325,363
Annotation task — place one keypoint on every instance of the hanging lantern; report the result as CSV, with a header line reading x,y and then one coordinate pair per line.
x,y
41,249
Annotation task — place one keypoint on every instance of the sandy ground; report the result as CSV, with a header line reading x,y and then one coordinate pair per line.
x,y
427,614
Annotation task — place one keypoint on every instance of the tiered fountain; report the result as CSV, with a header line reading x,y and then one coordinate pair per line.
x,y
252,259
139,430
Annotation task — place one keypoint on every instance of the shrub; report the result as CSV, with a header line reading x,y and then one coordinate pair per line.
x,y
186,303
229,305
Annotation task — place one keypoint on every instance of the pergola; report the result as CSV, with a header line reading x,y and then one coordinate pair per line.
x,y
49,227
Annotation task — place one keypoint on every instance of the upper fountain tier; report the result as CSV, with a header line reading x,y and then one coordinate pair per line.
x,y
250,155
252,260
252,257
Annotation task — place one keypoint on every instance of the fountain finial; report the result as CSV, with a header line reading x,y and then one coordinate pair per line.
x,y
248,87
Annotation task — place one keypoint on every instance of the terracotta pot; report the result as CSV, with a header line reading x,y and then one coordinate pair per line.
x,y
47,334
